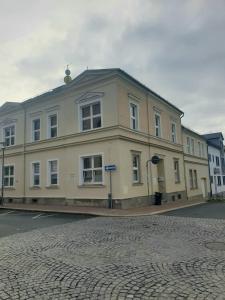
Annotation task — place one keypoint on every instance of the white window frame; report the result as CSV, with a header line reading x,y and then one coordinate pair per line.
x,y
49,127
138,168
33,130
90,103
188,139
81,167
135,118
14,171
174,133
49,173
33,174
3,134
176,163
192,146
159,127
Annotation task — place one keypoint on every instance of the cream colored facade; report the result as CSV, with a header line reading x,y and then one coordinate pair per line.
x,y
127,117
195,164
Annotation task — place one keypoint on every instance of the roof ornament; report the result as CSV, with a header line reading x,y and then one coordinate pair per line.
x,y
67,78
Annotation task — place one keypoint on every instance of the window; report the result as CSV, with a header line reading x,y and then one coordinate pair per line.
x,y
136,168
188,145
52,126
176,171
213,158
92,169
199,149
36,126
210,158
193,146
173,131
219,180
9,176
211,179
223,180
9,135
35,173
203,150
195,179
157,125
133,116
191,179
91,116
53,172
217,161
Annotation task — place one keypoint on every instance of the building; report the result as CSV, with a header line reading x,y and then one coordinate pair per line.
x,y
58,143
216,162
195,164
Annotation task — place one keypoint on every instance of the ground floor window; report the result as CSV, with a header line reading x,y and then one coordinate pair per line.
x,y
53,172
92,169
193,179
176,170
136,168
9,176
36,173
219,180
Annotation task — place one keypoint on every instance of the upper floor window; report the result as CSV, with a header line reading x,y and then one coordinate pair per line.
x,y
133,116
217,161
188,145
210,157
53,172
36,127
52,126
9,135
136,168
91,117
173,132
35,173
9,176
92,169
157,125
193,146
219,180
203,150
199,149
176,171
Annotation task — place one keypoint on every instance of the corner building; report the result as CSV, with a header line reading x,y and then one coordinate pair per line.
x,y
58,143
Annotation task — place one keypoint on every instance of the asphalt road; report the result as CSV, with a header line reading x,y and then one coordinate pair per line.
x,y
207,210
12,221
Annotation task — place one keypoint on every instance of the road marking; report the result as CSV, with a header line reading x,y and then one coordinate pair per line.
x,y
37,216
7,213
48,215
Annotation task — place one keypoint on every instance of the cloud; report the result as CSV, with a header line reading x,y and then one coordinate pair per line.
x,y
175,47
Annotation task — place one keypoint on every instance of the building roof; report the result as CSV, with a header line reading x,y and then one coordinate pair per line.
x,y
212,136
92,75
192,131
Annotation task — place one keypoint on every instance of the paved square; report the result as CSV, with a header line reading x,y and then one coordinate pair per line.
x,y
155,257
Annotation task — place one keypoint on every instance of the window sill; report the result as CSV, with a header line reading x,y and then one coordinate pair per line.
x,y
52,186
9,188
137,183
91,129
35,187
91,185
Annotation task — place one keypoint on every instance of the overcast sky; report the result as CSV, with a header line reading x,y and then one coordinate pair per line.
x,y
177,48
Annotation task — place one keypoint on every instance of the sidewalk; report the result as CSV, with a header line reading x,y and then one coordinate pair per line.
x,y
95,211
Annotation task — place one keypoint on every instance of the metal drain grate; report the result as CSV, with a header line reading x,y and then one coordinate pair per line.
x,y
215,246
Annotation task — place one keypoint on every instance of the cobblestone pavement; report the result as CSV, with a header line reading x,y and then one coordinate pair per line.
x,y
155,257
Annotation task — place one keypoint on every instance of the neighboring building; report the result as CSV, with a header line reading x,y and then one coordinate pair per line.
x,y
195,164
58,143
216,162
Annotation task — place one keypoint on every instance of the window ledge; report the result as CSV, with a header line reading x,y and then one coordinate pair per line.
x,y
52,186
35,187
137,183
9,188
91,185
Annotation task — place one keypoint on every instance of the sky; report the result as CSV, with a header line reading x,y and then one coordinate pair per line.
x,y
176,48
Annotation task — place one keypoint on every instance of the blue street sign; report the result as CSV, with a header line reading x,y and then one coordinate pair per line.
x,y
110,168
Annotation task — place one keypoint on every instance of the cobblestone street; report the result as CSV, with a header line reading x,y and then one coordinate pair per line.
x,y
155,257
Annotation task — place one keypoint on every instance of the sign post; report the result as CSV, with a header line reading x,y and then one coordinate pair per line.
x,y
110,168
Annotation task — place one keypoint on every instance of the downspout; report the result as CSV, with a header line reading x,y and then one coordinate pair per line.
x,y
24,155
210,184
149,154
185,177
